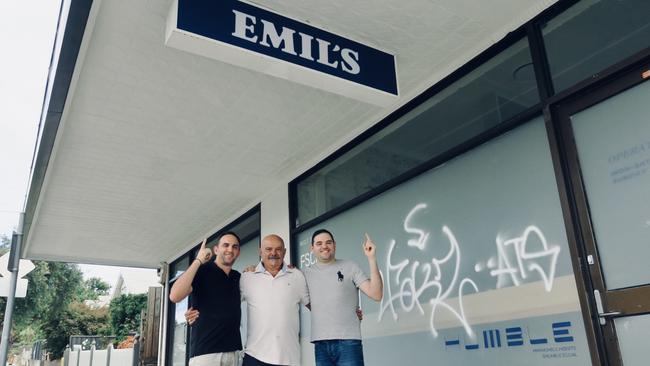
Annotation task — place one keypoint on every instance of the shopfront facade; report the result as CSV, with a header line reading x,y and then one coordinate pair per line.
x,y
509,204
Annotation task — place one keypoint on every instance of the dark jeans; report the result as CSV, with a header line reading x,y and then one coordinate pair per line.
x,y
252,361
339,352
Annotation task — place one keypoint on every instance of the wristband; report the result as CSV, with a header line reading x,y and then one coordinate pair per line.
x,y
196,259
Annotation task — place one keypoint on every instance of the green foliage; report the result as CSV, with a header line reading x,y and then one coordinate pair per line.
x,y
75,319
52,287
63,313
92,289
53,308
5,243
125,312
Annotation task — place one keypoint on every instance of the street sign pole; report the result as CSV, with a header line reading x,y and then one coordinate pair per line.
x,y
16,242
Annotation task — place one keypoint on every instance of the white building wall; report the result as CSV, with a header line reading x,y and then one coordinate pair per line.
x,y
275,215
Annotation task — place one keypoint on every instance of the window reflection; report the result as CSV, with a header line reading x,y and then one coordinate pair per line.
x,y
592,35
494,92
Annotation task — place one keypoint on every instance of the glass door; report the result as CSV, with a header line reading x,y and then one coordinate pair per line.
x,y
607,138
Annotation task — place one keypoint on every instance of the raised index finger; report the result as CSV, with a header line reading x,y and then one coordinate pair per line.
x,y
203,243
368,237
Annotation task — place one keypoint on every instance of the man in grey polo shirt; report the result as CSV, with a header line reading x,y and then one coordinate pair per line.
x,y
333,290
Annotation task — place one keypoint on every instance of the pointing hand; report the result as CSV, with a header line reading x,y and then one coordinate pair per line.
x,y
369,247
204,253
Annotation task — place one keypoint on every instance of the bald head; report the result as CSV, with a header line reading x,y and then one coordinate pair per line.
x,y
272,253
273,238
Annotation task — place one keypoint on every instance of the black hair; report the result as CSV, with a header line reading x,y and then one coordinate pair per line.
x,y
318,232
229,233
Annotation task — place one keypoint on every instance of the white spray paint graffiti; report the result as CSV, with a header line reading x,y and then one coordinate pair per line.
x,y
411,292
423,236
417,283
516,261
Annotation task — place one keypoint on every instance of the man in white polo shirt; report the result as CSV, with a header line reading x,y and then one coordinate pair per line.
x,y
274,293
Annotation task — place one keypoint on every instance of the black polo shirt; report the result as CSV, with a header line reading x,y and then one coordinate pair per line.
x,y
216,296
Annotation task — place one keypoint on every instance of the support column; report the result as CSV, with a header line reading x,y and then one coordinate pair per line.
x,y
14,262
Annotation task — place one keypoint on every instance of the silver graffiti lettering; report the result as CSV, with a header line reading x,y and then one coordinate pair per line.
x,y
411,292
517,260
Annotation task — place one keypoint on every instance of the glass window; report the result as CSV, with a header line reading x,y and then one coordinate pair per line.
x,y
633,333
593,35
179,266
494,92
246,228
475,261
249,254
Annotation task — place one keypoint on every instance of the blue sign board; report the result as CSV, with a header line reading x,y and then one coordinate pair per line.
x,y
248,29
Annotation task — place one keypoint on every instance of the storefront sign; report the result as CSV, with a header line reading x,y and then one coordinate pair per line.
x,y
251,37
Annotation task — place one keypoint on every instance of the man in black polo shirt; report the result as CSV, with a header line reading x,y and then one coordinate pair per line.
x,y
214,286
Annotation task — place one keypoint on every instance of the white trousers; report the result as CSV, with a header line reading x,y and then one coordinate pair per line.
x,y
217,359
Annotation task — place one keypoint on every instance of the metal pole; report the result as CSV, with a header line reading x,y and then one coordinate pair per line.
x,y
12,266
108,354
66,356
136,351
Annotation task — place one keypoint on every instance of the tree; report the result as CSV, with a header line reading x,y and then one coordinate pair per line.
x,y
92,289
52,287
124,312
75,319
5,243
53,307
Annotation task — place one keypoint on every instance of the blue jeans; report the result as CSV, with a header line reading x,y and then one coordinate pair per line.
x,y
339,352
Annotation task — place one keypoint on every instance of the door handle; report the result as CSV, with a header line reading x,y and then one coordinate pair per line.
x,y
611,313
602,315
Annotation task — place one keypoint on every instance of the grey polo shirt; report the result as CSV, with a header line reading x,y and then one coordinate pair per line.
x,y
334,294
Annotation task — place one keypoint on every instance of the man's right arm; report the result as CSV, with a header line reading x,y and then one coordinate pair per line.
x,y
183,285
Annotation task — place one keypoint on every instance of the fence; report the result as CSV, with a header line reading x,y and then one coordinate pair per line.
x,y
105,357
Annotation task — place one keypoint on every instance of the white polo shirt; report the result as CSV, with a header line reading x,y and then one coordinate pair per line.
x,y
272,308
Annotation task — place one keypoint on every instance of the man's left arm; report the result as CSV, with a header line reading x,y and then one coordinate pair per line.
x,y
303,290
373,288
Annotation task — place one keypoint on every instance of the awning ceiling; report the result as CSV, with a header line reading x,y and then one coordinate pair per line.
x,y
157,147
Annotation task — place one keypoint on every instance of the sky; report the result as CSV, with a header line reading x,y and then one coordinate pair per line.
x,y
27,29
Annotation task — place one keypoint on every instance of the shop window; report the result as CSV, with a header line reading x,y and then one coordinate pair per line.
x,y
593,35
496,91
475,260
246,227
